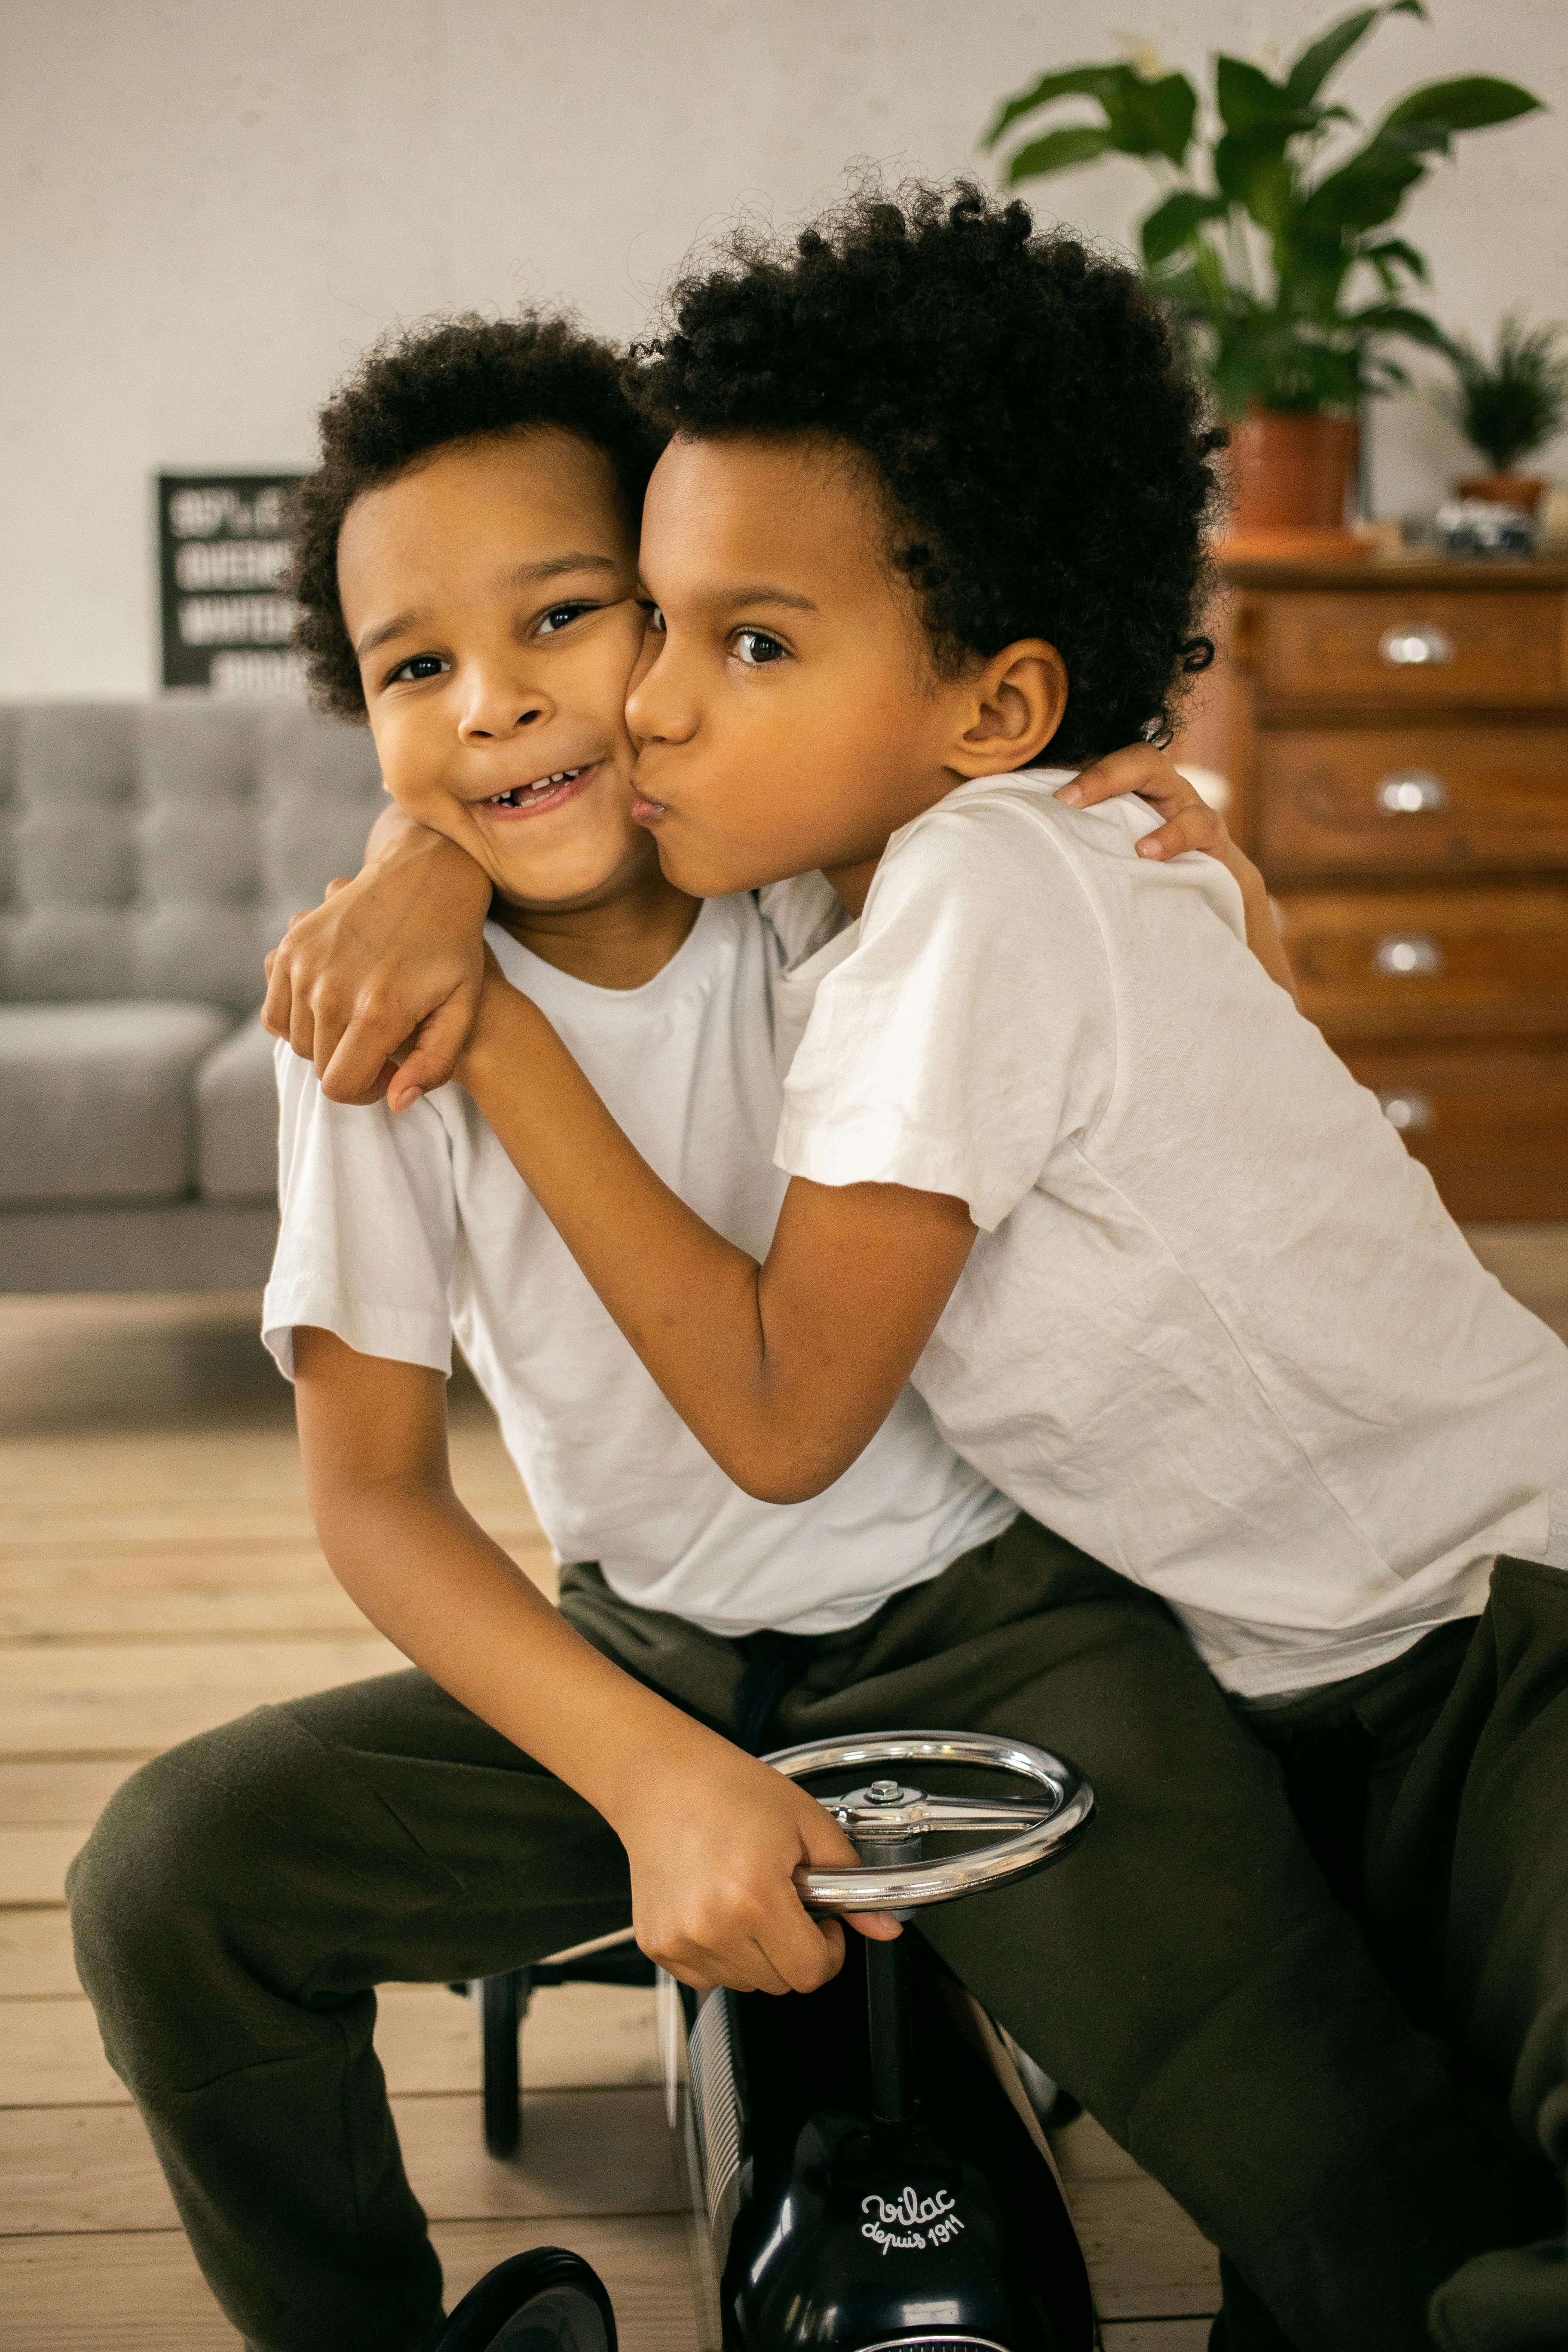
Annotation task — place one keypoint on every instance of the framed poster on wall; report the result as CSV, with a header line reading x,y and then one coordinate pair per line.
x,y
223,551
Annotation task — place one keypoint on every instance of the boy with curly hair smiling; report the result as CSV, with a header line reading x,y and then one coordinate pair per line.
x,y
1062,1156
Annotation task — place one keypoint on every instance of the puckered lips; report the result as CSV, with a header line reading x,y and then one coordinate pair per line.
x,y
545,792
646,810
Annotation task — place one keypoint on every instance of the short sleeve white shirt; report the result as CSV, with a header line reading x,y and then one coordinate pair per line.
x,y
398,1232
1217,1328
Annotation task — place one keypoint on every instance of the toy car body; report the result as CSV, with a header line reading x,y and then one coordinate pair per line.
x,y
872,2170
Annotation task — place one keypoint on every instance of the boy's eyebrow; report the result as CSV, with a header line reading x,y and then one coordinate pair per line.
x,y
528,576
379,636
764,592
525,575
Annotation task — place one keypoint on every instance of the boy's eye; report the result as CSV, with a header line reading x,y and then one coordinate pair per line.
x,y
758,650
419,665
655,619
556,619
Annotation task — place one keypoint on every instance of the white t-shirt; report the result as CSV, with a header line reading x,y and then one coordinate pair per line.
x,y
1217,1326
399,1231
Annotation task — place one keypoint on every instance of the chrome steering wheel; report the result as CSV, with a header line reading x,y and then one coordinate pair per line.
x,y
888,1821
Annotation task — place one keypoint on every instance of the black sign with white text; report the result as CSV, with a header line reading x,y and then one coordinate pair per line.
x,y
222,555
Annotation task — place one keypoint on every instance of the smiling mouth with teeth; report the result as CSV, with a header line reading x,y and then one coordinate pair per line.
x,y
522,797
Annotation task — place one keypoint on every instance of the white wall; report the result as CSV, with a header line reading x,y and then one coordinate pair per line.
x,y
211,205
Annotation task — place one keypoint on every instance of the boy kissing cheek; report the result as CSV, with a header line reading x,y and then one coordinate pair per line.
x,y
790,710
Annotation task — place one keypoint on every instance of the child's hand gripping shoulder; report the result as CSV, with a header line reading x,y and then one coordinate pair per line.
x,y
380,985
1190,823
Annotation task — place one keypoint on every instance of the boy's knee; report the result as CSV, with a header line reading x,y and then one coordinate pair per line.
x,y
154,1864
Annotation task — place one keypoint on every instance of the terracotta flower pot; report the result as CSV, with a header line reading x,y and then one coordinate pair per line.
x,y
1292,474
1504,489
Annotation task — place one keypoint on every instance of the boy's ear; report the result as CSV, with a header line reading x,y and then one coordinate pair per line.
x,y
1009,710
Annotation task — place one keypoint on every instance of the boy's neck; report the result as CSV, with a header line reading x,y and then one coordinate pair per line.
x,y
852,882
623,941
852,879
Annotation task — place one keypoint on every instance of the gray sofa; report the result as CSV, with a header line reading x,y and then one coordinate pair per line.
x,y
149,854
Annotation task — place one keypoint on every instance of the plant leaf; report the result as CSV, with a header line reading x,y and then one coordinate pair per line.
x,y
1510,406
1153,118
1312,273
1253,170
1366,190
1058,150
1170,223
1271,196
1397,318
1394,249
1472,103
1248,101
1078,82
1311,69
1250,160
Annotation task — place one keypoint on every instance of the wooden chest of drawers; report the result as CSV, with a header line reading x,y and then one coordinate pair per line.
x,y
1396,743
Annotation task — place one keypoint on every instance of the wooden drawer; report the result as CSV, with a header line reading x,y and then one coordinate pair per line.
x,y
1430,963
1450,799
1408,648
1492,1124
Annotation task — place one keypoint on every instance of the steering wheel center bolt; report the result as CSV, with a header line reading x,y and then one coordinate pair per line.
x,y
884,1792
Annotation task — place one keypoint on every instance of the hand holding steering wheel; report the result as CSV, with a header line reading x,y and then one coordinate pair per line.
x,y
887,1821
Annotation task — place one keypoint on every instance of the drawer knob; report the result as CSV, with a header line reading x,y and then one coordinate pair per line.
x,y
1410,1112
1412,791
1415,644
1407,955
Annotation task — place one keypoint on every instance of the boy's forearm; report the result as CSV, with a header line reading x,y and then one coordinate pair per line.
x,y
411,1557
389,826
1262,930
784,1373
684,1296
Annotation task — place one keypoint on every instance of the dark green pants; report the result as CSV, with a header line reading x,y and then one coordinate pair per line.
x,y
1185,1971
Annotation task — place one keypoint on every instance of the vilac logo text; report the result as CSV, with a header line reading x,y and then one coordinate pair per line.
x,y
910,2221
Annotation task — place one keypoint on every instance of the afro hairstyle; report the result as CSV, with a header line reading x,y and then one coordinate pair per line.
x,y
1041,446
462,379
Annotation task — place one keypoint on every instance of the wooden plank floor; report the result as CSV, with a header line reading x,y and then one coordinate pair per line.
x,y
158,1574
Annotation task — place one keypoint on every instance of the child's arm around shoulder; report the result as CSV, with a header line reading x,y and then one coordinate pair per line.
x,y
785,1370
712,1835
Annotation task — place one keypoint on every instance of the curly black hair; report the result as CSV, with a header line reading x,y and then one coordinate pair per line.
x,y
462,379
1042,447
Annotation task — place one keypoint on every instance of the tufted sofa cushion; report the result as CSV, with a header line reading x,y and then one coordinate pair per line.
x,y
149,854
98,1099
157,849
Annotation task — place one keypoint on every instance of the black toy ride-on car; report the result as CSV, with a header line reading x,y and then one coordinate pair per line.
x,y
868,2158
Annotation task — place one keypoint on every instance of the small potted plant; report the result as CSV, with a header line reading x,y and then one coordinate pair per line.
x,y
1510,406
1271,240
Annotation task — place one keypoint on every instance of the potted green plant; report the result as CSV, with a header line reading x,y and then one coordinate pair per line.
x,y
1510,406
1272,240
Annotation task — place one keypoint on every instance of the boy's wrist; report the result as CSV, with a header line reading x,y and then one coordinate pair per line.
x,y
636,1768
1240,867
501,1030
461,874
